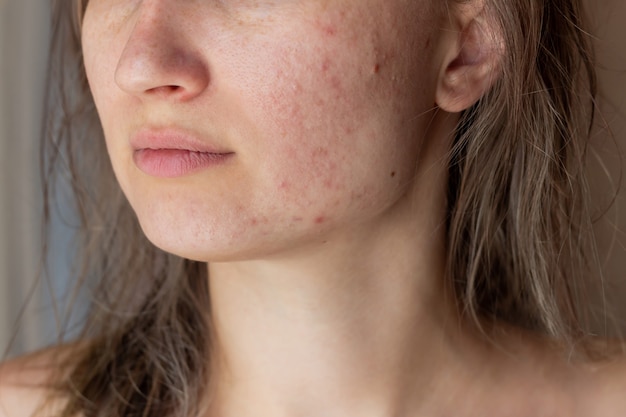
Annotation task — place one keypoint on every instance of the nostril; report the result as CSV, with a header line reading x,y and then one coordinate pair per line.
x,y
175,92
165,89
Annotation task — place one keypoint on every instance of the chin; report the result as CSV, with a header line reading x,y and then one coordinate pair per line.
x,y
196,245
206,242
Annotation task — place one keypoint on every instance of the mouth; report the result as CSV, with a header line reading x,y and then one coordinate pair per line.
x,y
172,153
171,163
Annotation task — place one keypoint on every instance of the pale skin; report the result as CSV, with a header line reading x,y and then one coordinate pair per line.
x,y
325,231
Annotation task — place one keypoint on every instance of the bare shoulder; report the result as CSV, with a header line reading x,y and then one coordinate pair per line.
x,y
542,379
26,384
602,385
590,387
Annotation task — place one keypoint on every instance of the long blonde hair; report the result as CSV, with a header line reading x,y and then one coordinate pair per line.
x,y
520,225
517,230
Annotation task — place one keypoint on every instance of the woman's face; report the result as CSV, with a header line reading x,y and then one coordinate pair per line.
x,y
241,128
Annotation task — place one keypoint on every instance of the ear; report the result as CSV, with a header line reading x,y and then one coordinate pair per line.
x,y
472,61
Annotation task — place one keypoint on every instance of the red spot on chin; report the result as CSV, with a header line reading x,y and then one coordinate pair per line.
x,y
376,68
320,219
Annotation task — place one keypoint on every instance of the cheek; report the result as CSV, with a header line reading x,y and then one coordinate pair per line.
x,y
312,135
102,45
331,118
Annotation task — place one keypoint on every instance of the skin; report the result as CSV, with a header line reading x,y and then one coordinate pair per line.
x,y
325,231
323,139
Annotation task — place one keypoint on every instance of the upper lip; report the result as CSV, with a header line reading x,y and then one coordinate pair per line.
x,y
173,138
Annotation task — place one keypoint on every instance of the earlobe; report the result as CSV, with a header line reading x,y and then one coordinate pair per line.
x,y
472,64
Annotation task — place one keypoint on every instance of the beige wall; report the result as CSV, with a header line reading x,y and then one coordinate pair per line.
x,y
23,26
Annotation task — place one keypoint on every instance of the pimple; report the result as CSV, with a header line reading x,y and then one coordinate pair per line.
x,y
325,65
376,68
297,88
320,219
327,29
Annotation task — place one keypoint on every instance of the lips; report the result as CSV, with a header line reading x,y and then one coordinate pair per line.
x,y
170,153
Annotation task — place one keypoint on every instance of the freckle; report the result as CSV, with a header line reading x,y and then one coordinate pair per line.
x,y
427,42
320,220
393,174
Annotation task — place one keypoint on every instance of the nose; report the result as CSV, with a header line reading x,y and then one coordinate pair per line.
x,y
158,61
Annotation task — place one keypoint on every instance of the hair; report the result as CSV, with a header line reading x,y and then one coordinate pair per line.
x,y
518,225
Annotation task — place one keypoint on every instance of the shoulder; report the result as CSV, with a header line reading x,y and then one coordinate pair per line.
x,y
536,377
602,385
26,384
590,387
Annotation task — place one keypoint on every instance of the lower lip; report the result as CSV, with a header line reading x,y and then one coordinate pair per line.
x,y
171,163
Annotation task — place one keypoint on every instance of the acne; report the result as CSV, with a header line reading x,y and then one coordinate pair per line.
x,y
327,25
325,65
257,221
328,30
328,184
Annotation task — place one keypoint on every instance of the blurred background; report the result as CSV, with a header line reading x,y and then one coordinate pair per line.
x,y
24,298
24,27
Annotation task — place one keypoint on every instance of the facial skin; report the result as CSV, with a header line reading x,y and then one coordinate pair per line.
x,y
326,106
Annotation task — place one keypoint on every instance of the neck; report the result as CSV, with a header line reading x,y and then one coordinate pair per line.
x,y
357,325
